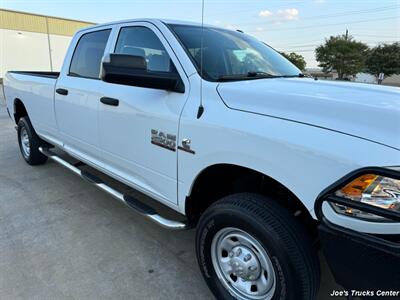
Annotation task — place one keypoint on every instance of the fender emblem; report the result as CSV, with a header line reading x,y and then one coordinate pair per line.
x,y
186,146
164,140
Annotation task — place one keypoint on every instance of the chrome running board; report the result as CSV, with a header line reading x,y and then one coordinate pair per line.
x,y
129,201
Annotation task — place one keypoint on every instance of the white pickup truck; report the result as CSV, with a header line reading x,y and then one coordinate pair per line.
x,y
268,164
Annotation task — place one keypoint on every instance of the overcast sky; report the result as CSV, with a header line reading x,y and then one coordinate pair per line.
x,y
286,25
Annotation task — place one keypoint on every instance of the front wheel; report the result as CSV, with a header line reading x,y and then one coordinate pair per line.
x,y
250,248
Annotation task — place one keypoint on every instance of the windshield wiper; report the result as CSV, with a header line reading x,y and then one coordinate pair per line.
x,y
301,75
254,75
260,74
248,75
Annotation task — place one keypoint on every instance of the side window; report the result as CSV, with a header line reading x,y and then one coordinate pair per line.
x,y
88,54
142,41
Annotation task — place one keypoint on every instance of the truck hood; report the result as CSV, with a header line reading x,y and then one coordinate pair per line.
x,y
367,111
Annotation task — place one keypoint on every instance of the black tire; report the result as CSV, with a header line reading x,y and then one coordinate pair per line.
x,y
34,157
294,260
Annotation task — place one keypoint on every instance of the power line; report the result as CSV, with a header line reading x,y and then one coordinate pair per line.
x,y
310,49
373,10
316,42
372,35
315,45
345,13
324,25
322,38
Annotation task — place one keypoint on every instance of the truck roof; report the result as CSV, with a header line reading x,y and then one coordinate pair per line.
x,y
150,20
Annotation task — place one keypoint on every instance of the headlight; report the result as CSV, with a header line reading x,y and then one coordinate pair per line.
x,y
376,190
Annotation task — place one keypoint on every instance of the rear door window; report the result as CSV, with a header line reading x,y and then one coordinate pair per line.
x,y
88,53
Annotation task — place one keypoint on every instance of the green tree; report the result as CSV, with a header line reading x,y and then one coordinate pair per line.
x,y
296,59
343,54
384,59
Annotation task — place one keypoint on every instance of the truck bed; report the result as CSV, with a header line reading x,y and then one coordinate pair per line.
x,y
36,91
53,75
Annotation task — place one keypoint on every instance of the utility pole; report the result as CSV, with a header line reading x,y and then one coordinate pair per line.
x,y
347,34
49,44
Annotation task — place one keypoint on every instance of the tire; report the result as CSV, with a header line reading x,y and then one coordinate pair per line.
x,y
29,143
292,271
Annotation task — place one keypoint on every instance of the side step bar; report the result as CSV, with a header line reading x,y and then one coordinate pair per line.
x,y
129,201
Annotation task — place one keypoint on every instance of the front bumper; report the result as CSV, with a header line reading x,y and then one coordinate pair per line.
x,y
361,261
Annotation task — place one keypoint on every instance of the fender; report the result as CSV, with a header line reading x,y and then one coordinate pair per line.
x,y
304,158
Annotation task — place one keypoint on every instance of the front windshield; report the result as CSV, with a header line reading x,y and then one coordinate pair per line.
x,y
232,54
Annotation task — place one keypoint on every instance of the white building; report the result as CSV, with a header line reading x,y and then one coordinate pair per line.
x,y
365,78
30,42
393,80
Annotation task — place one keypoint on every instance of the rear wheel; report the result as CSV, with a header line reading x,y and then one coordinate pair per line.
x,y
29,143
250,248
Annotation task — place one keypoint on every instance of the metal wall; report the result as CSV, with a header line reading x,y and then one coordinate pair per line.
x,y
34,42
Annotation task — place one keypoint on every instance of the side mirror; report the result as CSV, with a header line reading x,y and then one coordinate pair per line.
x,y
132,70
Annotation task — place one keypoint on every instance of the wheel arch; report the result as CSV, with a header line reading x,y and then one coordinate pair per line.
x,y
19,110
219,180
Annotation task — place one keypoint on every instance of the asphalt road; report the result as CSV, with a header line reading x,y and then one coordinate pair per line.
x,y
61,238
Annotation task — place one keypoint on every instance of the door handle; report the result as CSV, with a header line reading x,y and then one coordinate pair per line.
x,y
62,92
109,101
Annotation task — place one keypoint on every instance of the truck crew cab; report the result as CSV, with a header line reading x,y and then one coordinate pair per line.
x,y
266,163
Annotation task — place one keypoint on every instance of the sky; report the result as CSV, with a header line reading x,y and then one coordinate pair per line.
x,y
286,25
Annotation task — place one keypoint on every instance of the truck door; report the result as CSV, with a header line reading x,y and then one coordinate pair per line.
x,y
139,129
78,92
